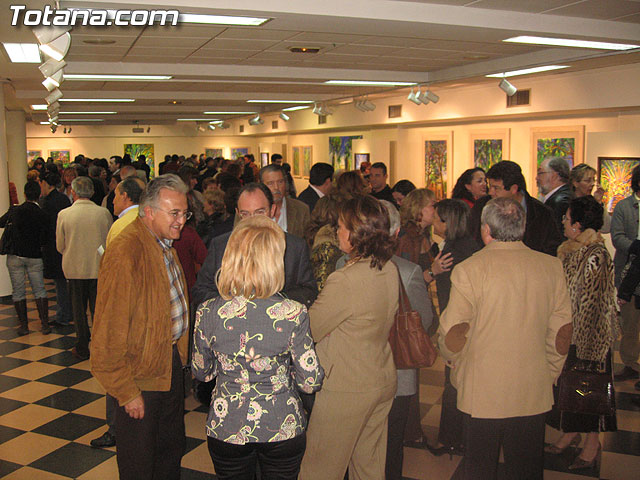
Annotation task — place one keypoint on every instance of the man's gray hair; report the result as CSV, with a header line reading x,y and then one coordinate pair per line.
x,y
83,186
273,167
560,166
506,219
394,216
170,181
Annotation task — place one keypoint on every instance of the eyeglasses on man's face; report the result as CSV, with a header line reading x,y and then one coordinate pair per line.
x,y
247,214
177,214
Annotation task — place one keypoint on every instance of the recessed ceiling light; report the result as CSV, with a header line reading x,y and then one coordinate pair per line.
x,y
367,83
99,41
304,50
474,56
87,113
123,100
570,42
106,78
38,107
23,52
293,109
279,101
525,71
175,102
228,113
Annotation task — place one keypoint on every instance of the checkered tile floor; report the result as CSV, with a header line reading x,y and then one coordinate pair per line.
x,y
51,407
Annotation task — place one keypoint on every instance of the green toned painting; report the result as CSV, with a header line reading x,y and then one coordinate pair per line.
x,y
136,149
556,147
306,160
33,154
296,161
487,153
435,163
340,152
238,152
614,175
63,156
212,152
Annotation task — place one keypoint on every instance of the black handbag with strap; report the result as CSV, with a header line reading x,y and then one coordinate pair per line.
x,y
8,239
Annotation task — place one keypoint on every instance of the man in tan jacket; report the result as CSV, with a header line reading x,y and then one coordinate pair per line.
x,y
506,333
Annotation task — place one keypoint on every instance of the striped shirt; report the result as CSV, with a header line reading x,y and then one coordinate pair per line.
x,y
177,298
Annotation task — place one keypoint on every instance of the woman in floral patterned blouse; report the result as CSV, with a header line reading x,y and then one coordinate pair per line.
x,y
259,347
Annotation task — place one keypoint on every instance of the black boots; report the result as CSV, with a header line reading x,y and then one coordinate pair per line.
x,y
43,313
21,310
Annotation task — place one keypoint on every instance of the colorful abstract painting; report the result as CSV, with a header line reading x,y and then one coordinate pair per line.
x,y
306,161
239,152
213,152
614,175
435,163
33,154
340,152
63,156
487,152
136,149
296,161
556,147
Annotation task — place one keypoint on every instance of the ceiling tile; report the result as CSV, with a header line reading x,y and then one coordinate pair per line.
x,y
233,44
599,9
201,31
635,18
364,50
327,37
169,52
256,34
152,59
98,50
390,41
171,41
206,53
521,6
80,40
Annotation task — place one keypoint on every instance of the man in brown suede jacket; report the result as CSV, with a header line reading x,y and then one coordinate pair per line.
x,y
140,324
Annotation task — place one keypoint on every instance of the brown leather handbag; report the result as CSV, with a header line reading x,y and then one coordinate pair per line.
x,y
410,343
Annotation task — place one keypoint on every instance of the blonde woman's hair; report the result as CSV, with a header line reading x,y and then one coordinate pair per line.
x,y
253,262
412,205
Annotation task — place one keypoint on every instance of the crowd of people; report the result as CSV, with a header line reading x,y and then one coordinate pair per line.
x,y
280,306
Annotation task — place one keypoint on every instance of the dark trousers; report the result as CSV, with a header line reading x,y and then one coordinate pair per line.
x,y
151,448
111,405
522,440
83,292
278,460
398,416
451,419
63,302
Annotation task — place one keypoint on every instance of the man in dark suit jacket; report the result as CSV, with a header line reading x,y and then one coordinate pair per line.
x,y
506,180
552,178
320,177
299,285
52,201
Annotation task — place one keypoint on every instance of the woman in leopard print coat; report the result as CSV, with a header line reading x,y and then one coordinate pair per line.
x,y
589,273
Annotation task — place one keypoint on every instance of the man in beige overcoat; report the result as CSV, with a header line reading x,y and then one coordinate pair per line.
x,y
506,332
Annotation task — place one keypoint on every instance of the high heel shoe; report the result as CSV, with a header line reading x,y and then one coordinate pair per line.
x,y
581,464
552,449
439,451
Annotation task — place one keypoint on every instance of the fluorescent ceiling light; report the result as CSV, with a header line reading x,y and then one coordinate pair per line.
x,y
38,107
228,113
23,52
221,19
570,42
368,83
279,101
194,119
525,71
76,120
124,100
88,113
293,109
132,78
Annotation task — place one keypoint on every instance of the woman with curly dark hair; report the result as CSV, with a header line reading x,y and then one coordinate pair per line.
x,y
351,320
471,186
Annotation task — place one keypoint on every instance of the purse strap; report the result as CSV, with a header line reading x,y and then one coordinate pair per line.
x,y
404,305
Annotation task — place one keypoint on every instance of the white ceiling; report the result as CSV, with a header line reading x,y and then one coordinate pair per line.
x,y
441,42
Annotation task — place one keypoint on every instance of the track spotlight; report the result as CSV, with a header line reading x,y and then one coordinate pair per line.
x,y
53,81
54,127
148,129
422,96
65,130
358,105
212,127
54,96
284,116
53,118
223,125
413,97
256,120
507,87
69,130
316,109
368,106
51,66
432,96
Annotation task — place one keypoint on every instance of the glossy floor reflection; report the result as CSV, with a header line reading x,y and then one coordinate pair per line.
x,y
51,408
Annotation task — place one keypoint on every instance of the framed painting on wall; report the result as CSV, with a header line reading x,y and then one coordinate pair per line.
x,y
563,142
238,152
136,149
264,159
307,160
359,158
488,147
63,156
614,175
438,163
212,152
33,154
295,162
340,152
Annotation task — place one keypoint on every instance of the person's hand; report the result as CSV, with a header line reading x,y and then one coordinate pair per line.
x,y
135,408
598,193
442,263
621,301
